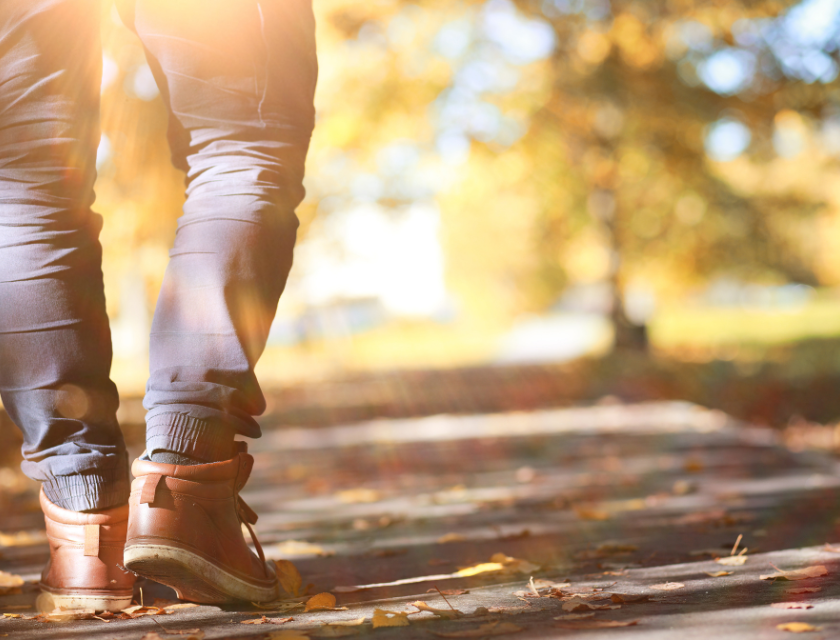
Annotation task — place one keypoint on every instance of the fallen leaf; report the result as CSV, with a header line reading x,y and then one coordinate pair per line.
x,y
321,602
383,618
484,567
11,615
624,598
355,622
797,627
800,590
451,537
489,629
732,561
9,582
792,605
596,624
578,604
443,613
668,586
718,574
360,495
138,611
590,513
797,574
289,577
449,592
299,548
514,565
260,620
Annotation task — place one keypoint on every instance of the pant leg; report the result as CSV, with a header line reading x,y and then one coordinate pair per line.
x,y
238,78
55,349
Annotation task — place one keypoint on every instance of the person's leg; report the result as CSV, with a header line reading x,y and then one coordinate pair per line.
x,y
238,78
55,349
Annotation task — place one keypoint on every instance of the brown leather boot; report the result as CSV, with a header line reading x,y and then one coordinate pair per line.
x,y
185,531
86,555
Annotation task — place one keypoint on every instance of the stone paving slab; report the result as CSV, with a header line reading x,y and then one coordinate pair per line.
x,y
620,498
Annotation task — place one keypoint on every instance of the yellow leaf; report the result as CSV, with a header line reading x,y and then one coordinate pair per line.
x,y
484,567
289,577
320,602
732,561
11,615
719,574
451,537
514,565
300,548
383,618
489,629
797,574
361,495
797,627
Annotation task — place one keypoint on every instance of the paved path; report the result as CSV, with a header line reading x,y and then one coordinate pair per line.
x,y
603,500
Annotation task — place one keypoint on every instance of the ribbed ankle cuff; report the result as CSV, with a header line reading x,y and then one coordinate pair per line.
x,y
198,438
90,490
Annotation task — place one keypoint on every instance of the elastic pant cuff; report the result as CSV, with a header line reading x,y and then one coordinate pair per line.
x,y
199,438
89,490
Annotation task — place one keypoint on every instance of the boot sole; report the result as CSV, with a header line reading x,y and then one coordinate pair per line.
x,y
193,577
48,601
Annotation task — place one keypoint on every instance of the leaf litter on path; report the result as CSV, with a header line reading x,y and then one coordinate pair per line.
x,y
797,574
385,618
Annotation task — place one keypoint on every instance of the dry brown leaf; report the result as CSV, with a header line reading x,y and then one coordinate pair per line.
x,y
668,586
792,605
383,618
797,574
596,624
590,513
451,537
449,592
800,590
577,604
732,561
625,598
514,565
489,629
797,627
321,602
289,577
260,620
718,574
443,613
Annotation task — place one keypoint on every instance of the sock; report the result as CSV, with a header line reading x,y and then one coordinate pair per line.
x,y
170,457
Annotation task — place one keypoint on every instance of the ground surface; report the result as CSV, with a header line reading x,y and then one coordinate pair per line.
x,y
617,498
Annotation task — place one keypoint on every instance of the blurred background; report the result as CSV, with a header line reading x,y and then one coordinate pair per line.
x,y
560,200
